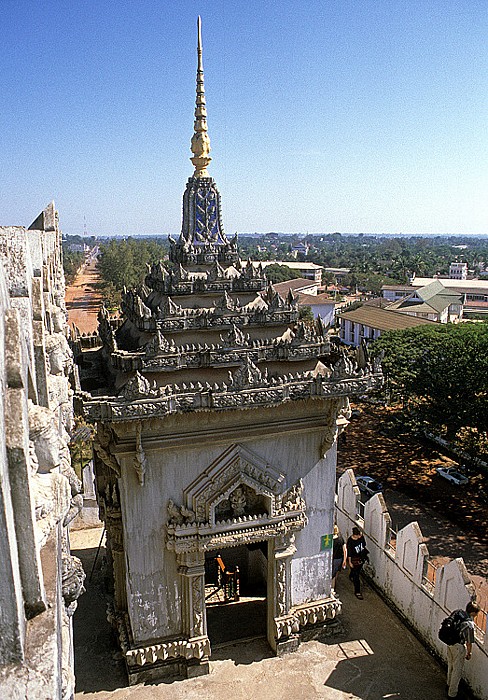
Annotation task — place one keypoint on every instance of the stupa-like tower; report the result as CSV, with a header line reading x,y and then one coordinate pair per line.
x,y
216,432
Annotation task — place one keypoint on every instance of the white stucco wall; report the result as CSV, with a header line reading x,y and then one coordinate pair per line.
x,y
399,573
153,583
311,567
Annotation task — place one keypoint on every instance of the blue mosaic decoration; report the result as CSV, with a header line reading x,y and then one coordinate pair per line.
x,y
206,224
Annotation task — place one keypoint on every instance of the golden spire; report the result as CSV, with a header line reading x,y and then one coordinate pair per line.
x,y
200,143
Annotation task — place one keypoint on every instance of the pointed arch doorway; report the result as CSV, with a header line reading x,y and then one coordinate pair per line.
x,y
238,503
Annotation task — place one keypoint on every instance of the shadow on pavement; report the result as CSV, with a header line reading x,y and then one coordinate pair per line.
x,y
98,661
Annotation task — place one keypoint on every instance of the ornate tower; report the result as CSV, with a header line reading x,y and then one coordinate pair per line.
x,y
216,432
202,238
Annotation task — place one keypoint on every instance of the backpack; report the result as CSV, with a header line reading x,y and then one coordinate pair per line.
x,y
450,630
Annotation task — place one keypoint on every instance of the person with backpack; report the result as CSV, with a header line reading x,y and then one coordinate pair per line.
x,y
457,631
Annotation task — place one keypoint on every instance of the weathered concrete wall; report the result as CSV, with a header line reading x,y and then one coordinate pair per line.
x,y
39,580
311,565
153,588
400,572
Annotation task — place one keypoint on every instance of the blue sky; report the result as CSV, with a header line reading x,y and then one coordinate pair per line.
x,y
324,115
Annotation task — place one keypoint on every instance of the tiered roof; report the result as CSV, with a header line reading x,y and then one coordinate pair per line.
x,y
207,330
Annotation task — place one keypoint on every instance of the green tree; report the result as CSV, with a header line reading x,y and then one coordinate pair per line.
x,y
441,371
122,263
280,273
305,313
71,264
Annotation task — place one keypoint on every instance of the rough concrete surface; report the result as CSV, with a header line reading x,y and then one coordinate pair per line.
x,y
374,656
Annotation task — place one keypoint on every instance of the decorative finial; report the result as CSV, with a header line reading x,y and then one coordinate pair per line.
x,y
200,143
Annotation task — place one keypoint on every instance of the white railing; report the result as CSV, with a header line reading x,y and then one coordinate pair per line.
x,y
400,566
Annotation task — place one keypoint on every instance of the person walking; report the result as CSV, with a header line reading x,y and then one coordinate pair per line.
x,y
357,554
457,653
339,555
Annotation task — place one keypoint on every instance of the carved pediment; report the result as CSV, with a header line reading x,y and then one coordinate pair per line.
x,y
158,344
239,499
247,375
235,337
236,467
138,387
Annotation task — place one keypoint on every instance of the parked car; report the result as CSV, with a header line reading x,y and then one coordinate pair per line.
x,y
453,475
369,486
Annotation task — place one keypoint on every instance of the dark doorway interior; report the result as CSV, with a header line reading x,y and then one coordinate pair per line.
x,y
235,592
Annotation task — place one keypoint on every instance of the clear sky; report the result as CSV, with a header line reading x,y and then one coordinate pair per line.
x,y
324,115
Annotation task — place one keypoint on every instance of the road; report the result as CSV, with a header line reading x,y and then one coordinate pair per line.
x,y
83,299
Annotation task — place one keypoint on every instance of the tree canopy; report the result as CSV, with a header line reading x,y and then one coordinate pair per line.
x,y
280,273
72,262
122,263
441,371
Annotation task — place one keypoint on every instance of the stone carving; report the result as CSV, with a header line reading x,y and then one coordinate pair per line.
x,y
291,500
226,302
235,466
58,318
235,337
178,516
306,615
247,375
226,515
157,345
59,365
219,397
140,462
280,579
50,489
238,501
197,585
138,387
198,649
169,308
73,578
76,502
102,446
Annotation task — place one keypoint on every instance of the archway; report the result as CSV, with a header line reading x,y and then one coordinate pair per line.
x,y
236,593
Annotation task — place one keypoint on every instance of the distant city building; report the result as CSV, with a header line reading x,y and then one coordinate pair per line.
x,y
78,247
301,248
458,271
309,270
475,292
433,302
299,284
321,305
338,272
369,321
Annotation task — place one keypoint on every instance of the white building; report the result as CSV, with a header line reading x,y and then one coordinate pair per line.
x,y
475,292
308,270
458,271
368,322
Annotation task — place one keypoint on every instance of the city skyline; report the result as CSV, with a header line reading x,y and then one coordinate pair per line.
x,y
323,117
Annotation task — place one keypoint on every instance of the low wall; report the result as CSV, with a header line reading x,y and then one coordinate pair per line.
x,y
400,569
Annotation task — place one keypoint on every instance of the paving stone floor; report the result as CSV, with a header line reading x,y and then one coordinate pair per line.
x,y
373,657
